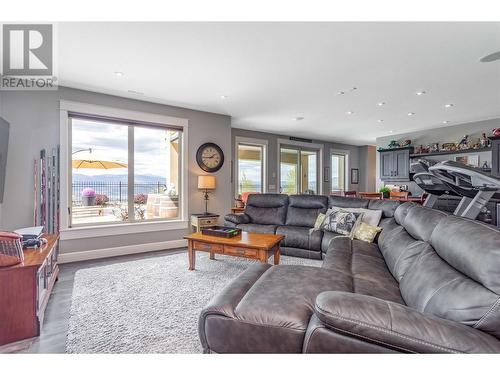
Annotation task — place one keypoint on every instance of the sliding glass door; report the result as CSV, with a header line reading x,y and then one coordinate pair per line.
x,y
299,170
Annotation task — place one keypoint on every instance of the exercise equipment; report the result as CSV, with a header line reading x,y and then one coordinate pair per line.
x,y
475,186
428,182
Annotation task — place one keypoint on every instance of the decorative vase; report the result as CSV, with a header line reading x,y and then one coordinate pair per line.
x,y
88,201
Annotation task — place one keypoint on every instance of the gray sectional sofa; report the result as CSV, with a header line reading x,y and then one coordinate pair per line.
x,y
294,216
430,284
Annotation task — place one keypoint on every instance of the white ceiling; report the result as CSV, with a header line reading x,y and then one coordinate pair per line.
x,y
274,72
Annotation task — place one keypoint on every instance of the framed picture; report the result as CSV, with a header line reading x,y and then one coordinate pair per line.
x,y
354,176
326,175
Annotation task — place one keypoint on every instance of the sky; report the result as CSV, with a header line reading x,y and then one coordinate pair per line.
x,y
110,142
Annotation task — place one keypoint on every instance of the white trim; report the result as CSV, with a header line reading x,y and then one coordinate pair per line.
x,y
347,177
64,141
121,250
250,141
121,229
314,146
93,109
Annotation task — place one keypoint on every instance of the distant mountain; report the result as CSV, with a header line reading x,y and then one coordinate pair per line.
x,y
139,179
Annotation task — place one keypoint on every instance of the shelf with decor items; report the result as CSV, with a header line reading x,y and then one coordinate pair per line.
x,y
25,289
437,153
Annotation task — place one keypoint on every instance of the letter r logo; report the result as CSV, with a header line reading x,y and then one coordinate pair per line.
x,y
27,50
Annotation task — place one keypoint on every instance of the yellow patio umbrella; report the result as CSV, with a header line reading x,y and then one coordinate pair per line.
x,y
97,164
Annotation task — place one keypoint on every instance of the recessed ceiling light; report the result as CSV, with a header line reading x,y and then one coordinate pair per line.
x,y
298,118
119,74
491,57
224,97
349,112
380,120
445,121
411,113
380,104
391,131
449,105
135,92
354,88
420,93
341,93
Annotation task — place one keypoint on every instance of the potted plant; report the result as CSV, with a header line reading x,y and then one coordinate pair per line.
x,y
101,199
386,192
88,197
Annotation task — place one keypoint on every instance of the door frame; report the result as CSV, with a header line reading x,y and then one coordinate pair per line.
x,y
307,147
347,160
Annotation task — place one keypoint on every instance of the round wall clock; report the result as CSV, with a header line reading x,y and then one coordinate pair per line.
x,y
210,157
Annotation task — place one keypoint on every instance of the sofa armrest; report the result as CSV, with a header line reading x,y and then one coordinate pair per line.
x,y
237,218
398,327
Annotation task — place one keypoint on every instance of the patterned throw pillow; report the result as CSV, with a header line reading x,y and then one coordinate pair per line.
x,y
341,222
365,232
370,217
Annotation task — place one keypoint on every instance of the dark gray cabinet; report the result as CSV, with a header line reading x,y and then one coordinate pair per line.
x,y
395,164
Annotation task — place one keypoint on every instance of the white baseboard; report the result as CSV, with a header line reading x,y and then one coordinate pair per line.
x,y
121,250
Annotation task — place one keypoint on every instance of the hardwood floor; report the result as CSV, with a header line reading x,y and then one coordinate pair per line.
x,y
55,326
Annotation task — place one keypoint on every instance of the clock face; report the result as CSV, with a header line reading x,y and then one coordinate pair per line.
x,y
210,157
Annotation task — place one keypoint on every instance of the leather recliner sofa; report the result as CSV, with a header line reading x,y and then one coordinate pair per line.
x,y
294,216
431,284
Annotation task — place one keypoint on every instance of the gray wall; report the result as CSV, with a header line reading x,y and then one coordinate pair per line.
x,y
442,135
367,163
34,121
272,164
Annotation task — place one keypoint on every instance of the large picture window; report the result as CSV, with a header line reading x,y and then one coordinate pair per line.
x,y
123,172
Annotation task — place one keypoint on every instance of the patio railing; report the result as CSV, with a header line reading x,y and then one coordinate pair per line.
x,y
115,191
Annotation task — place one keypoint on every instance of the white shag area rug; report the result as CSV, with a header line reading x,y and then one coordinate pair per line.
x,y
150,305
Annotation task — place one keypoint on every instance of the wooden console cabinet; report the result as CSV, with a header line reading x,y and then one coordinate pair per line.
x,y
25,290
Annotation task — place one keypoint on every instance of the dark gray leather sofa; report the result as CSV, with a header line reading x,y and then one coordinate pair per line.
x,y
294,215
431,284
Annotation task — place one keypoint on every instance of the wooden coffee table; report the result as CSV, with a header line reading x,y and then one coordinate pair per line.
x,y
259,246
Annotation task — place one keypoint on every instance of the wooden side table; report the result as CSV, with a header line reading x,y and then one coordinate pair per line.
x,y
200,221
237,210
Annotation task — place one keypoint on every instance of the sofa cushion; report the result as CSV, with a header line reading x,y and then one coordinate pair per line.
x,y
300,237
267,209
432,286
284,295
327,239
365,265
388,207
304,209
344,202
258,228
421,221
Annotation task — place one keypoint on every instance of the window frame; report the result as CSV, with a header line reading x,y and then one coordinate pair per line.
x,y
346,155
250,142
305,146
112,228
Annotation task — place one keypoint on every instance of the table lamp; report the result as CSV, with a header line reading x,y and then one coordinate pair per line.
x,y
206,183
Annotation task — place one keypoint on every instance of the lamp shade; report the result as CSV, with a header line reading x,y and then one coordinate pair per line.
x,y
206,182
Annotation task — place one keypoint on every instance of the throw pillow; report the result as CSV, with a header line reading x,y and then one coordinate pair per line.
x,y
319,221
341,222
370,217
365,232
